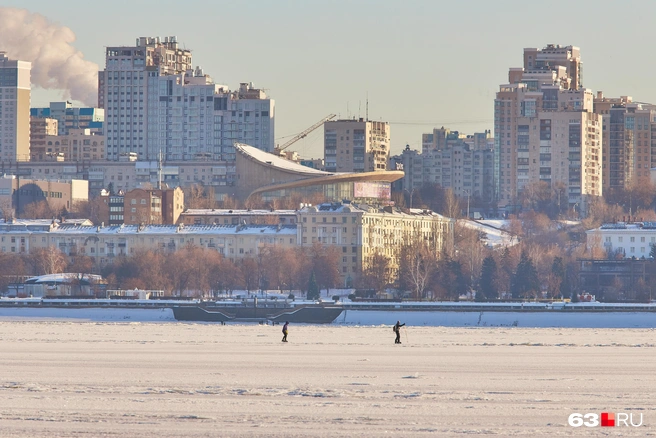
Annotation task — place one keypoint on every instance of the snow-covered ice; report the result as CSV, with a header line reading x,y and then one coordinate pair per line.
x,y
154,379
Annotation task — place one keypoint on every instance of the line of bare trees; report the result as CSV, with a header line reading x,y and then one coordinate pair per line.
x,y
192,270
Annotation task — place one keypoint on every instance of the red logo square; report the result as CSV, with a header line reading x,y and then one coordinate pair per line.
x,y
607,419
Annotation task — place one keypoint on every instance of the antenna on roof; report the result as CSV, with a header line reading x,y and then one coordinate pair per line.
x,y
367,109
159,170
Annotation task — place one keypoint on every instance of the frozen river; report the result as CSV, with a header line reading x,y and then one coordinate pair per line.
x,y
153,379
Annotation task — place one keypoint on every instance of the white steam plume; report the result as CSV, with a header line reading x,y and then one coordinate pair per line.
x,y
56,64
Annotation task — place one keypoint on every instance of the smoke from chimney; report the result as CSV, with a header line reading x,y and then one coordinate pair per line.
x,y
56,64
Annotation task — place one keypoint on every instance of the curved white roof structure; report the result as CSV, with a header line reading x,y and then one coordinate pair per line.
x,y
276,162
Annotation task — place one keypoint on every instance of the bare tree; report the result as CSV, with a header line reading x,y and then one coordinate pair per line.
x,y
325,262
417,264
452,206
6,209
12,268
376,273
39,210
48,260
249,272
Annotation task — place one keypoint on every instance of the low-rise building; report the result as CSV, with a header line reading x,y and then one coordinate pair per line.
x,y
103,244
360,232
19,192
153,206
627,239
77,145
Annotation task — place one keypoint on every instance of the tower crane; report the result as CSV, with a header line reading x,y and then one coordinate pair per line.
x,y
304,134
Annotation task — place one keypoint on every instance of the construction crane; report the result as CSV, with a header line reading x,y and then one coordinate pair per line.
x,y
304,134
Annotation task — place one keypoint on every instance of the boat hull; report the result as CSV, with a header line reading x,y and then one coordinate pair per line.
x,y
309,314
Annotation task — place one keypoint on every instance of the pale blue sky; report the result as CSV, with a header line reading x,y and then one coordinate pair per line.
x,y
431,63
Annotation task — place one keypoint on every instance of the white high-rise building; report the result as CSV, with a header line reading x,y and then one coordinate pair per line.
x,y
155,102
194,118
14,109
123,91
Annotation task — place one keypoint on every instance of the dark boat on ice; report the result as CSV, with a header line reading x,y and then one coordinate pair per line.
x,y
252,311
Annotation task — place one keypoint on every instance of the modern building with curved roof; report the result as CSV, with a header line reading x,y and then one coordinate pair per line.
x,y
271,177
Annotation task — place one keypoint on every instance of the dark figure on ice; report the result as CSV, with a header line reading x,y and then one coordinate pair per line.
x,y
397,330
284,331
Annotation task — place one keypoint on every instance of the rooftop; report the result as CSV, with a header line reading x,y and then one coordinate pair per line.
x,y
235,212
160,229
280,163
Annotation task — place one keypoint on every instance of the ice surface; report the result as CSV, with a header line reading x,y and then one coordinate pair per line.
x,y
154,379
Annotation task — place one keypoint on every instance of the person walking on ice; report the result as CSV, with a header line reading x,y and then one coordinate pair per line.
x,y
284,331
397,330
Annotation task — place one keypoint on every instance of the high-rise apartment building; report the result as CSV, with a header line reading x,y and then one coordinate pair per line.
x,y
198,119
123,90
155,102
462,163
14,109
546,130
629,147
356,145
69,117
40,127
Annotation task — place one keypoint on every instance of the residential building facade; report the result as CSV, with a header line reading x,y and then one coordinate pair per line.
x,y
157,103
357,232
546,130
104,244
69,117
356,145
123,90
628,239
40,127
360,232
462,163
629,153
19,192
152,206
77,145
15,92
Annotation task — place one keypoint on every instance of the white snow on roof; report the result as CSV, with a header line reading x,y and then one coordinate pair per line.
x,y
62,278
44,222
353,208
175,229
227,212
274,160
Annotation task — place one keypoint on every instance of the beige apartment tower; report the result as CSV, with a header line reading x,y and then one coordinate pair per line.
x,y
14,109
546,130
629,141
356,145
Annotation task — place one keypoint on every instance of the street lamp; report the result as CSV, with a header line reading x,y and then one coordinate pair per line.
x,y
411,193
468,196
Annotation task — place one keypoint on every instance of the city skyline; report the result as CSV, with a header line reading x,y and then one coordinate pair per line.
x,y
421,72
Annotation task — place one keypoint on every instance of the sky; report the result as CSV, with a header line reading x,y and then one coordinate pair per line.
x,y
421,64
